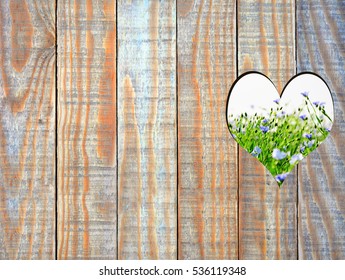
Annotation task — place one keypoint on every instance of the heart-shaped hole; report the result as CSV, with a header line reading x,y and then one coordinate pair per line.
x,y
279,131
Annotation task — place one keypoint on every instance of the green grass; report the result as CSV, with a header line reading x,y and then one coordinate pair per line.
x,y
280,140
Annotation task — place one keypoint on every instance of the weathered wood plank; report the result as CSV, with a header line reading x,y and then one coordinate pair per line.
x,y
207,155
87,129
147,129
27,130
267,214
321,41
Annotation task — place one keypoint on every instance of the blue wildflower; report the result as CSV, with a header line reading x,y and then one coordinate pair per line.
x,y
265,121
264,129
302,149
256,151
327,129
276,100
305,93
281,114
303,117
311,143
294,158
277,154
281,177
308,135
316,103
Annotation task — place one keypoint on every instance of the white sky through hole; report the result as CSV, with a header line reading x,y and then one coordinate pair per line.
x,y
255,93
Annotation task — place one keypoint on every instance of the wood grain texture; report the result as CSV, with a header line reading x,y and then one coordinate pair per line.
x,y
87,129
182,187
267,214
321,49
147,129
207,155
27,130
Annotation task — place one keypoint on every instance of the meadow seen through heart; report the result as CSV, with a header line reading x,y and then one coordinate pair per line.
x,y
279,132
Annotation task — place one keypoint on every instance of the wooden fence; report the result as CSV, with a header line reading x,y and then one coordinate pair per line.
x,y
113,137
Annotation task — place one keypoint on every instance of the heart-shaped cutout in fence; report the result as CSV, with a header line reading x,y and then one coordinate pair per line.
x,y
279,131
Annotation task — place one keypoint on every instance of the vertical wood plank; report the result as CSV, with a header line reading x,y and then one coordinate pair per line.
x,y
207,155
147,129
321,41
267,214
27,130
87,129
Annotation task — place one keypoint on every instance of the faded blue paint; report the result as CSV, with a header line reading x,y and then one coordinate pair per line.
x,y
320,48
12,205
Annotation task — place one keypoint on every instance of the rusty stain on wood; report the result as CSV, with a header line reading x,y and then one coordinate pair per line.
x,y
107,106
21,34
